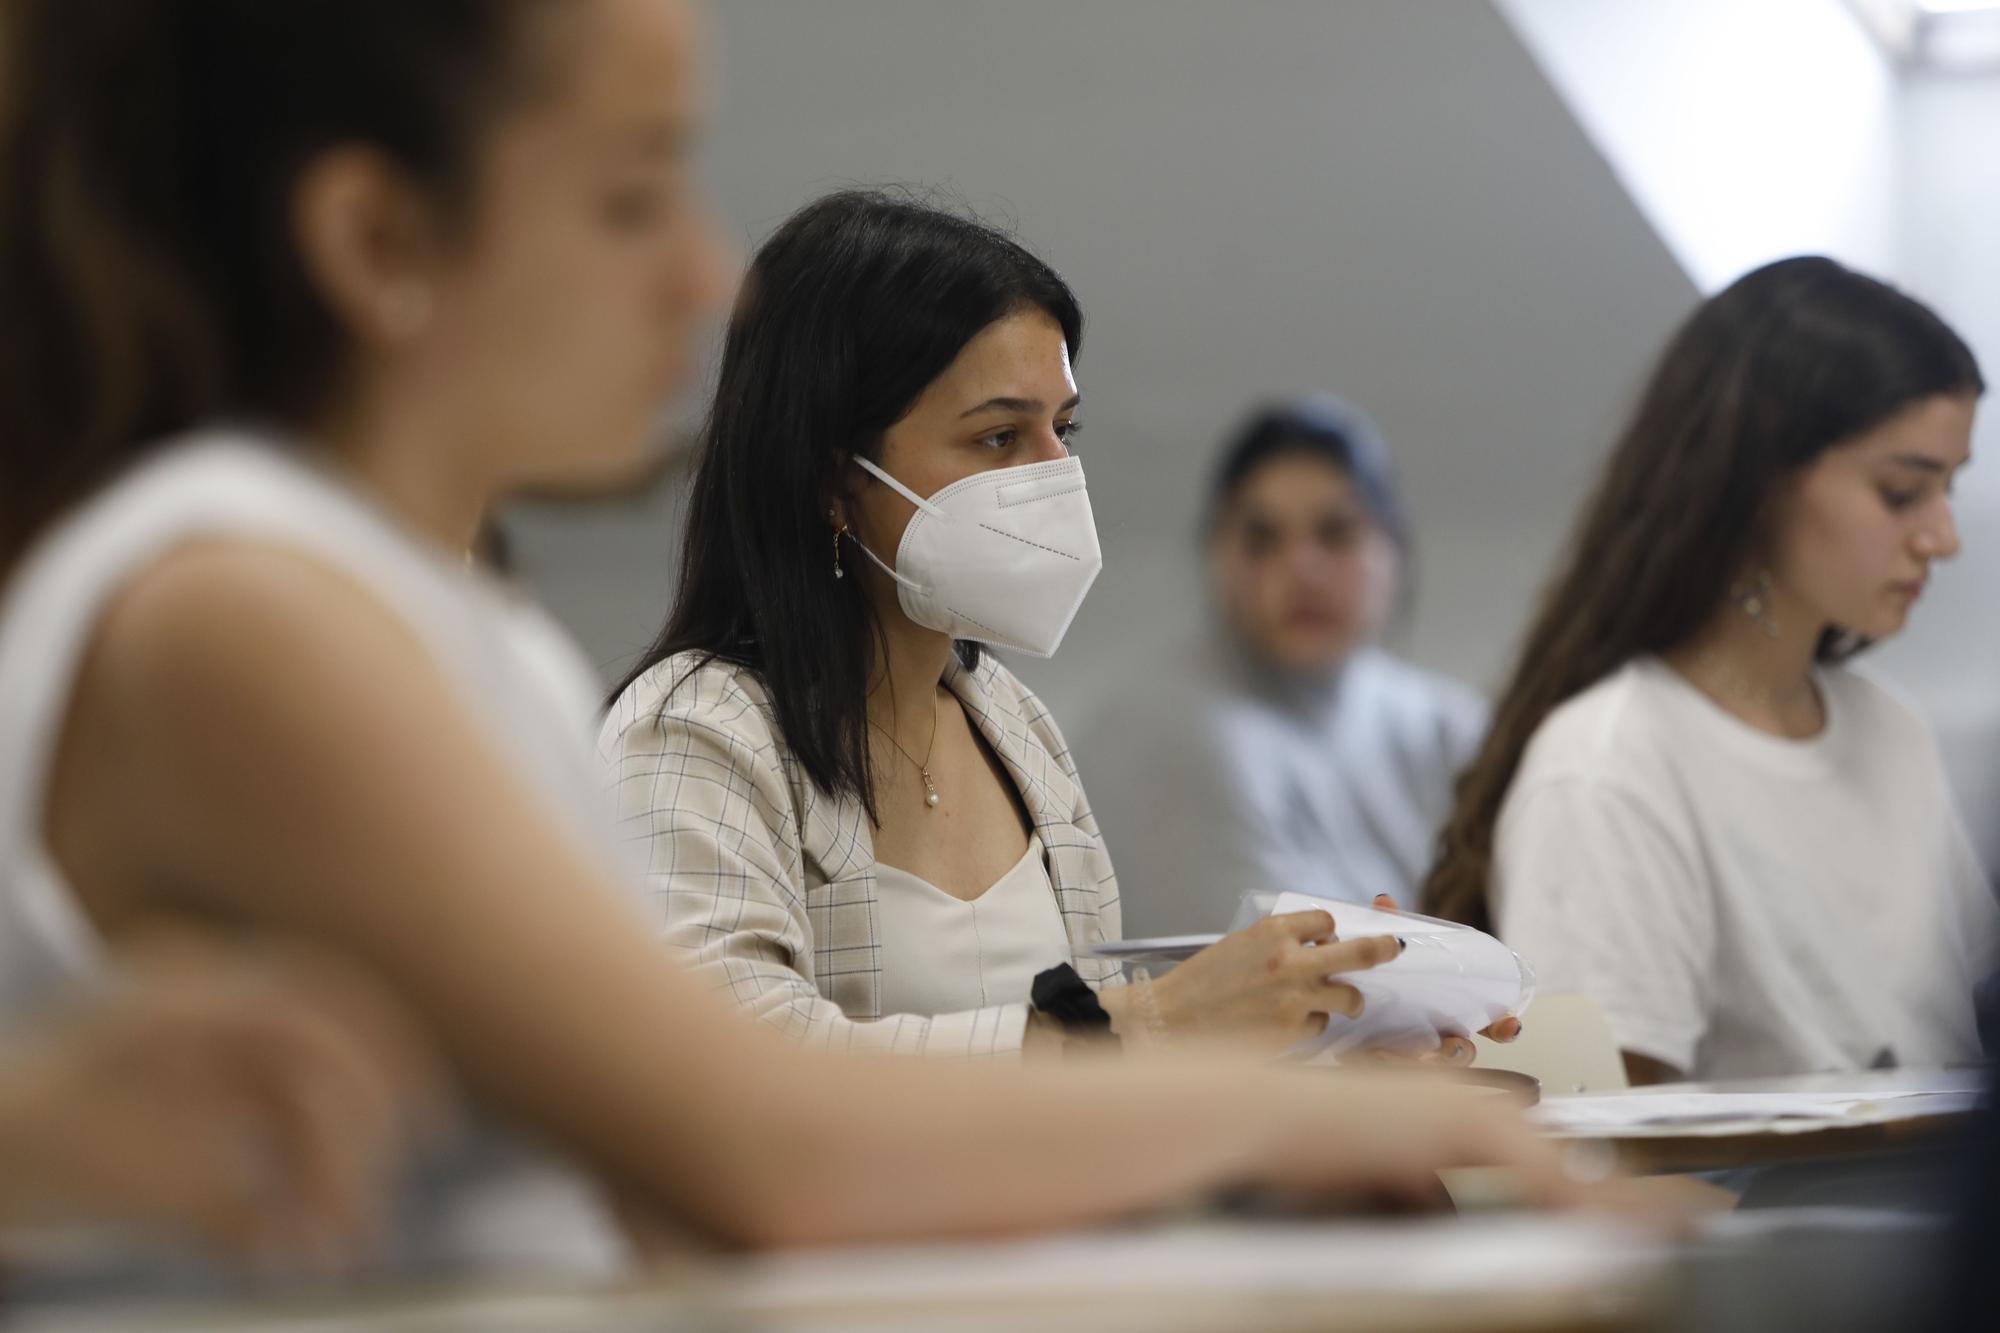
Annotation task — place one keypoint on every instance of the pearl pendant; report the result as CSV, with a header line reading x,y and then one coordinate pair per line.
x,y
931,797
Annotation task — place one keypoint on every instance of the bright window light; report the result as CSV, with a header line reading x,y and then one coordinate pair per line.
x,y
1936,34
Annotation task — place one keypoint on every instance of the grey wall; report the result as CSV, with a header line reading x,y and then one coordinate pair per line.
x,y
1267,196
1948,661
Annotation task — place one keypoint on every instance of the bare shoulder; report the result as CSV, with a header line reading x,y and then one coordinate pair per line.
x,y
237,696
230,657
225,610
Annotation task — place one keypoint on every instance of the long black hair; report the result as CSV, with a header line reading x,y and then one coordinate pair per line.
x,y
856,304
1791,360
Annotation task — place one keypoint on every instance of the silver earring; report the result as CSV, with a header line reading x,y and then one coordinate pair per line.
x,y
838,533
1754,596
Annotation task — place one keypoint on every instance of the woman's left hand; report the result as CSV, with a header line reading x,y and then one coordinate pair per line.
x,y
1455,1051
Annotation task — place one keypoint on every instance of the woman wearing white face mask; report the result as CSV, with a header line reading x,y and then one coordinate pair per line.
x,y
850,812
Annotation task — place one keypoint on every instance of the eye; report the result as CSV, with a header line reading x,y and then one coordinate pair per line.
x,y
1338,534
1067,431
999,439
1897,499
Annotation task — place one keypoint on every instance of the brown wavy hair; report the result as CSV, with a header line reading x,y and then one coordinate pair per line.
x,y
149,153
1760,380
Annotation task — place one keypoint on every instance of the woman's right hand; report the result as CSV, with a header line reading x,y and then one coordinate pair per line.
x,y
1274,982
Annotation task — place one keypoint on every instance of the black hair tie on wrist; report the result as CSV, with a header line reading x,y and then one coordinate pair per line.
x,y
1068,999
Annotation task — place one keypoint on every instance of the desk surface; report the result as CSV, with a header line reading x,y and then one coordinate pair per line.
x,y
1490,1274
1472,1275
1748,1144
1479,1274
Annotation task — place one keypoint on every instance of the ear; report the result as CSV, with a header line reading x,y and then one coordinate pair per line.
x,y
838,501
366,237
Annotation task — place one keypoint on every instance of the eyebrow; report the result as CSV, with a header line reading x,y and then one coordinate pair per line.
x,y
1016,405
1921,462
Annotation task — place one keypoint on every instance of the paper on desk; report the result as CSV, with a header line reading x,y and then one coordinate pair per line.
x,y
1749,1224
1731,1111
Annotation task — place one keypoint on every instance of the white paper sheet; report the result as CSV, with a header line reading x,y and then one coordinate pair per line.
x,y
1781,1111
1750,1224
1157,947
1449,979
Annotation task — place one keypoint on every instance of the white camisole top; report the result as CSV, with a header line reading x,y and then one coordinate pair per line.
x,y
947,955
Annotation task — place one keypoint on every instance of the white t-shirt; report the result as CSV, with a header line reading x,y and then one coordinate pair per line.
x,y
1741,904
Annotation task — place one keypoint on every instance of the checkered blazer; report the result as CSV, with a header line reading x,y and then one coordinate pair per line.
x,y
768,883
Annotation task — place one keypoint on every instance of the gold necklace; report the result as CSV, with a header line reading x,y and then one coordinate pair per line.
x,y
931,797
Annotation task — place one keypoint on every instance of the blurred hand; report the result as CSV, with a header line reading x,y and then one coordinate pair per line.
x,y
1394,1131
1274,982
257,1106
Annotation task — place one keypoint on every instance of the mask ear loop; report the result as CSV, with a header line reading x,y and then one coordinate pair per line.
x,y
898,487
923,506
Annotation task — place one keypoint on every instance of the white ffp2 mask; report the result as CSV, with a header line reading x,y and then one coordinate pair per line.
x,y
1002,557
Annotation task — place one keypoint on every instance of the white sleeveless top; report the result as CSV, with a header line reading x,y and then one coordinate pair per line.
x,y
513,666
947,955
